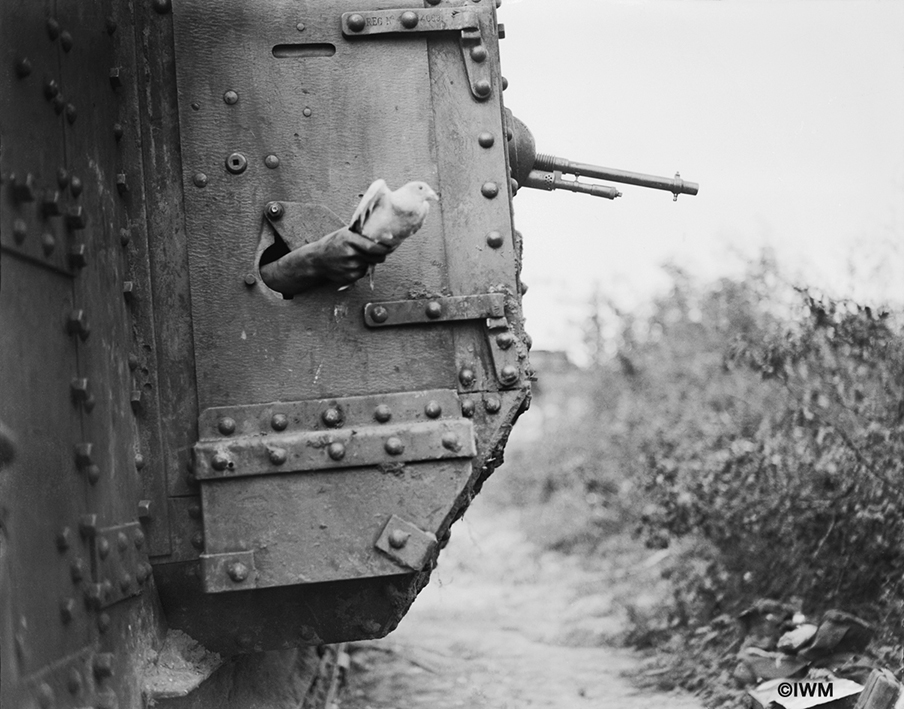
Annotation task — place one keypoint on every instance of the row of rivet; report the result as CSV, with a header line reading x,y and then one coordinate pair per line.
x,y
507,375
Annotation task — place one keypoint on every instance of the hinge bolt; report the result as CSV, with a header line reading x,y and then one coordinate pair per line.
x,y
128,290
135,400
144,510
77,324
50,205
24,190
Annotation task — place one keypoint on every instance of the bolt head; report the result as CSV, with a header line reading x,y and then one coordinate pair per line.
x,y
237,571
332,417
226,426
486,139
144,509
382,413
494,240
379,314
398,538
278,456
479,53
236,163
482,88
505,340
275,210
279,422
434,309
200,179
394,446
509,374
409,20
336,450
356,22
493,405
433,409
231,97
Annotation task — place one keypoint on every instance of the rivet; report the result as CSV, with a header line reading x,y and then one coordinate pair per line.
x,y
467,408
382,413
144,572
271,161
336,451
71,113
466,376
24,189
332,417
494,240
67,610
76,218
144,509
20,230
77,570
505,340
107,588
78,255
196,106
194,510
133,362
53,28
23,67
138,539
125,582
433,2
450,441
48,243
486,139
125,236
103,547
128,292
64,539
122,186
122,541
66,41
139,461
433,409
117,131
275,210
504,83
250,279
379,314
236,163
59,104
62,177
83,452
74,681
513,183
306,112
398,538
479,53
197,540
279,422
200,179
51,89
493,404
219,461
523,288
103,622
356,22
434,309
103,665
46,696
115,77
161,7
482,88
237,571
111,25
300,27
409,20
394,446
489,190
508,374
508,133
278,456
92,472
94,593
50,204
231,97
226,426
76,185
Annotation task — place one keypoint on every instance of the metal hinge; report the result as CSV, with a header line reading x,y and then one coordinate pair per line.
x,y
470,22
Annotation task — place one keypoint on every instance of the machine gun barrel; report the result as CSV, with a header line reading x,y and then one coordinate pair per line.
x,y
674,185
543,180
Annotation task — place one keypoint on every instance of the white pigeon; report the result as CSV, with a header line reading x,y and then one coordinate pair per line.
x,y
389,217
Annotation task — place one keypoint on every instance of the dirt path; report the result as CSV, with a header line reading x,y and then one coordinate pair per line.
x,y
503,626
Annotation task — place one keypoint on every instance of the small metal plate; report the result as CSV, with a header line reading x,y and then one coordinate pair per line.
x,y
433,310
438,19
342,448
233,571
406,544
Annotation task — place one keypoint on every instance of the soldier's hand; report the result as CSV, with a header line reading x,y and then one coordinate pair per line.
x,y
343,256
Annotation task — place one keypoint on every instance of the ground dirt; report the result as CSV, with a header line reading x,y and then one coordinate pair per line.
x,y
504,625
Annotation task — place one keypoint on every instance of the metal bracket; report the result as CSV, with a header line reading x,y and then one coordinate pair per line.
x,y
406,544
121,562
501,341
413,312
365,23
233,571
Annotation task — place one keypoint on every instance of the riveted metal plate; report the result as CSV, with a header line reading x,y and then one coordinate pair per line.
x,y
121,561
406,544
343,448
437,19
228,572
68,682
433,310
502,344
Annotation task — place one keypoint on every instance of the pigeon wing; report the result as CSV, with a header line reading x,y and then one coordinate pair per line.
x,y
376,194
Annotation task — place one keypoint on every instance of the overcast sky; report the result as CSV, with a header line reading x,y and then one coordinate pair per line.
x,y
790,115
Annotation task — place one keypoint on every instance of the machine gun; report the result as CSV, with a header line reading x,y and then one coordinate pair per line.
x,y
545,172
